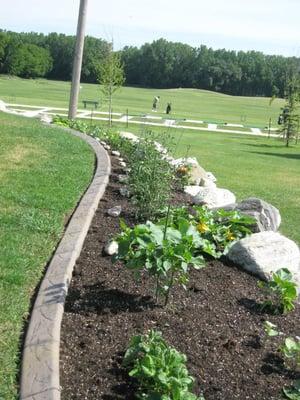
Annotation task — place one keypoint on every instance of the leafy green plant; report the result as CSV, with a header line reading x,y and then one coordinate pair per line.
x,y
218,229
150,178
271,329
281,292
164,252
291,351
159,369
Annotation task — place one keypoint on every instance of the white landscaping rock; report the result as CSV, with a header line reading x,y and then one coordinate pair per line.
x,y
130,136
214,197
114,211
111,248
102,142
47,119
116,153
196,174
211,176
107,147
124,192
192,190
267,216
122,178
265,252
205,182
123,164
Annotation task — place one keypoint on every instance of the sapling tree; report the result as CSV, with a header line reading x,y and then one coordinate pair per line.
x,y
111,78
291,112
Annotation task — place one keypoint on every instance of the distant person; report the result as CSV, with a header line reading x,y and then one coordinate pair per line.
x,y
155,103
168,109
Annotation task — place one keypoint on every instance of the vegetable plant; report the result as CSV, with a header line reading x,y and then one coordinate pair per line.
x,y
291,351
159,369
164,252
281,292
218,229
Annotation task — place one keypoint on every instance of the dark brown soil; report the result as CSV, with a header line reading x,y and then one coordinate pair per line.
x,y
216,323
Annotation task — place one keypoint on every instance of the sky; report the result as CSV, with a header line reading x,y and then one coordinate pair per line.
x,y
270,26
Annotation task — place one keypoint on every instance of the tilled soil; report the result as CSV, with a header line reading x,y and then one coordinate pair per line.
x,y
217,323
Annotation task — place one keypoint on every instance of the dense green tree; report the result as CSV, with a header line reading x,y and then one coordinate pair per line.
x,y
161,64
29,61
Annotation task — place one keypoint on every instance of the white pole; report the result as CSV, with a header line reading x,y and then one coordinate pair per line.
x,y
77,59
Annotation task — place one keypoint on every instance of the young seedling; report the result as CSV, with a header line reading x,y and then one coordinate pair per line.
x,y
281,292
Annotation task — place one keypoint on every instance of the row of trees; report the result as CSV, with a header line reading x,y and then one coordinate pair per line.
x,y
160,64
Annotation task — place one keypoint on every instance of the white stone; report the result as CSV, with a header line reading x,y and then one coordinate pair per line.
x,y
130,136
192,190
211,176
114,211
122,178
120,159
47,119
205,182
267,216
123,164
124,191
160,148
116,153
111,247
102,142
214,197
265,252
107,147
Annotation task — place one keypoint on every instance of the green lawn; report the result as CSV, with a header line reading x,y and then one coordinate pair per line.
x,y
43,173
247,165
186,103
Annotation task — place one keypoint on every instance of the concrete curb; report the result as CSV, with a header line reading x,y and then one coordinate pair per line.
x,y
40,360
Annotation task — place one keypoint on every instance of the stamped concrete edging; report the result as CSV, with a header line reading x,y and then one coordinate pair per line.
x,y
40,359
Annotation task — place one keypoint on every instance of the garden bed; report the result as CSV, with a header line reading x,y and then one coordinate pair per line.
x,y
217,323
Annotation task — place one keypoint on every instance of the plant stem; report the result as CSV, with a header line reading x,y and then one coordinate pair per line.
x,y
167,220
169,289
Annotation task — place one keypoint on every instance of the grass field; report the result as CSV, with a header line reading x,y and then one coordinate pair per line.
x,y
43,173
186,103
249,166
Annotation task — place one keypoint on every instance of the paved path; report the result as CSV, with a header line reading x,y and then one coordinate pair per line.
x,y
119,117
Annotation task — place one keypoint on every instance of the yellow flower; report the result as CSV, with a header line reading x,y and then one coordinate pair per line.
x,y
202,227
230,236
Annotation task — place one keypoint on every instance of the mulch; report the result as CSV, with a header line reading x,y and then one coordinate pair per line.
x,y
217,323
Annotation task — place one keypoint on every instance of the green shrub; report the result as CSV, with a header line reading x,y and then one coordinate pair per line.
x,y
159,369
164,252
281,292
150,178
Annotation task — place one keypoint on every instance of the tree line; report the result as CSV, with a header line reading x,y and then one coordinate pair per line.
x,y
160,64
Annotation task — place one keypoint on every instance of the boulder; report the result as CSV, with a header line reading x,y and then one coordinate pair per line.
x,y
196,174
205,182
265,252
130,136
211,176
192,190
267,216
46,119
214,197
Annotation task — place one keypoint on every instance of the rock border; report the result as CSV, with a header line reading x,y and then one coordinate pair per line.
x,y
40,358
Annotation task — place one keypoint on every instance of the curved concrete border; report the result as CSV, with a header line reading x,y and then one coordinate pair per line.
x,y
40,361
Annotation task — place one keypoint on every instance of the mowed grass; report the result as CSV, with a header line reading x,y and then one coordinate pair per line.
x,y
43,173
186,103
249,166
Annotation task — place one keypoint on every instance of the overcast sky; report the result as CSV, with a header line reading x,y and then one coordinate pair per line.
x,y
271,26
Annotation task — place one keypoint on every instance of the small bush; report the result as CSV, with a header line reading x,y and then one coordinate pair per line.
x,y
159,369
281,292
